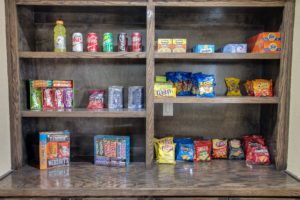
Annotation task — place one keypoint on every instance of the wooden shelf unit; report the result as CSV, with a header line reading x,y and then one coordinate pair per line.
x,y
30,24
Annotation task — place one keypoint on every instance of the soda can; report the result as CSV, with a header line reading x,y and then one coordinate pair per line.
x,y
92,42
77,42
122,42
135,97
136,40
108,42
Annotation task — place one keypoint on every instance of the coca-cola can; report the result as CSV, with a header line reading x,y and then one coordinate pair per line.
x,y
136,40
92,42
77,42
122,42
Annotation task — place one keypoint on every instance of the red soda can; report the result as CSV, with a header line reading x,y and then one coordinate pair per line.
x,y
136,39
92,42
122,42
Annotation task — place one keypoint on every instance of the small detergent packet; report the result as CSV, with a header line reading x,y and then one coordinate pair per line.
x,y
182,81
205,85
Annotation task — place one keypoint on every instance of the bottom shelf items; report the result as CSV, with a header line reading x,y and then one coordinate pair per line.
x,y
215,178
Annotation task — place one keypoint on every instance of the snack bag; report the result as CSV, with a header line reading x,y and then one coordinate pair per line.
x,y
165,140
219,148
180,141
233,86
59,99
202,150
185,152
96,99
206,84
48,99
249,88
35,99
260,155
256,150
166,153
235,150
262,88
182,81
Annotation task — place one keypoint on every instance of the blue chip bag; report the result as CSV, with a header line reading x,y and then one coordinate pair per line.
x,y
179,150
182,81
186,152
205,85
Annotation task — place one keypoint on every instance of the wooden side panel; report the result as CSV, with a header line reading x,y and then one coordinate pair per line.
x,y
14,84
150,83
284,85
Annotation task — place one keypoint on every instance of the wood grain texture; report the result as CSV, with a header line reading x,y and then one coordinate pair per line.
x,y
219,100
150,71
219,178
83,3
217,56
84,55
105,113
14,83
220,3
285,85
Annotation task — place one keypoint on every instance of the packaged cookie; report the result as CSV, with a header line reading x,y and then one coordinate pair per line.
x,y
233,86
219,148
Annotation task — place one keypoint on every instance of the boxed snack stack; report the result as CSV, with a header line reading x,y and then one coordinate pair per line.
x,y
54,149
269,42
179,45
112,150
164,45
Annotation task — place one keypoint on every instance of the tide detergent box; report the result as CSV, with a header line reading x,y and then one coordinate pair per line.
x,y
266,42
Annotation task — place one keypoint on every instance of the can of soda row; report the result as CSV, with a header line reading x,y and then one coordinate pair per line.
x,y
77,42
136,40
122,42
108,42
92,42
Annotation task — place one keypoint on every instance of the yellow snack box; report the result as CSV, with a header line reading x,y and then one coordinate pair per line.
x,y
179,45
164,45
164,90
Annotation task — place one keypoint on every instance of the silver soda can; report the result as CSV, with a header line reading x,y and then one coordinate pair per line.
x,y
77,42
115,97
135,97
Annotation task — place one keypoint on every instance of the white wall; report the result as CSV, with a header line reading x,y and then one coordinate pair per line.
x,y
294,134
5,164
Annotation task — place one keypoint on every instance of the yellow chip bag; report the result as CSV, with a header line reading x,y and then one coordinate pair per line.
x,y
233,86
165,141
166,153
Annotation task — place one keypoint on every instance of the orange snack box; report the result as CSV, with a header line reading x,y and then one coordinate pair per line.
x,y
266,42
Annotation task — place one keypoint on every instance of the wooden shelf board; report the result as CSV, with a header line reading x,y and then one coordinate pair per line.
x,y
219,100
105,113
215,178
81,3
220,3
218,56
83,55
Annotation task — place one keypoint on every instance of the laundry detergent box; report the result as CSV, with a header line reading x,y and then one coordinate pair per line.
x,y
112,150
266,42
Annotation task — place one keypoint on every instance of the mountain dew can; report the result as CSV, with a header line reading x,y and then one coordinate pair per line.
x,y
108,42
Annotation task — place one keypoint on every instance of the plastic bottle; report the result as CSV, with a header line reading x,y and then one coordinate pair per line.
x,y
59,37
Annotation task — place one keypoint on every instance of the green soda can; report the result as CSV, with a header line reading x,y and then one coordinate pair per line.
x,y
108,42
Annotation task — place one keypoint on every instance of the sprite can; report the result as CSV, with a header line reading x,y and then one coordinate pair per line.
x,y
108,42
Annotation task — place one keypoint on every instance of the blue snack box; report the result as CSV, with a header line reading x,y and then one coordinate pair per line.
x,y
235,48
111,150
204,48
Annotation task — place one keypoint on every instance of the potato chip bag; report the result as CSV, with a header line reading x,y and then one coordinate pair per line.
x,y
166,153
202,150
204,85
182,81
262,88
256,150
249,88
185,152
235,150
165,140
233,87
219,148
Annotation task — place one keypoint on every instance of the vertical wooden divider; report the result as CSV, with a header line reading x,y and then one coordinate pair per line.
x,y
282,127
14,84
150,83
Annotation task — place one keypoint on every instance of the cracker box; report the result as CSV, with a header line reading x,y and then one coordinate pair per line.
x,y
179,45
112,150
204,48
164,90
164,45
54,149
266,42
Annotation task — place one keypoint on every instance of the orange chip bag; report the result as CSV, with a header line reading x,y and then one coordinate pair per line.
x,y
219,148
249,88
262,88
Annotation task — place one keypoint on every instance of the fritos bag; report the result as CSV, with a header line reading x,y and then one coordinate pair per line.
x,y
202,150
219,148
